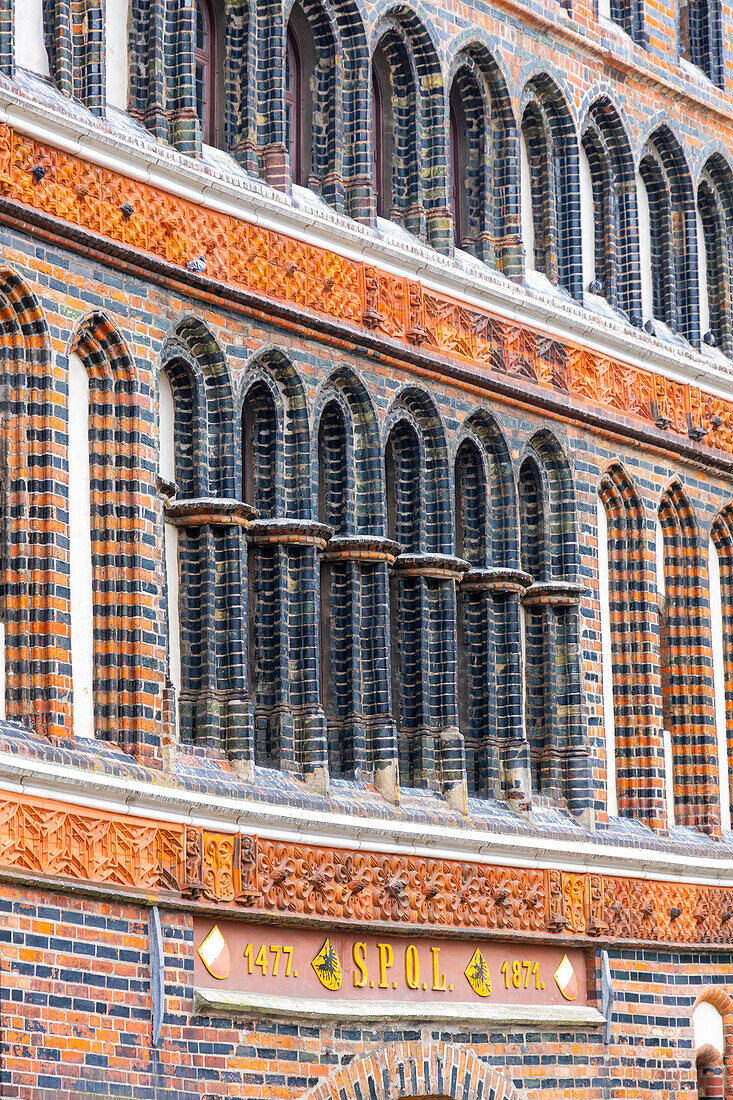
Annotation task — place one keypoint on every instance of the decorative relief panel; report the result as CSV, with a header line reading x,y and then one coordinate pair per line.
x,y
256,874
57,840
315,279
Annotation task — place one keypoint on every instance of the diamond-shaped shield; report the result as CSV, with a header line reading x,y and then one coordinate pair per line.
x,y
566,979
214,954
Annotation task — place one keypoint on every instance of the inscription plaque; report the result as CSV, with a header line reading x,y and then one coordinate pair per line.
x,y
351,966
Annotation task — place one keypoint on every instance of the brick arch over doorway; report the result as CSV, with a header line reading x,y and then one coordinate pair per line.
x,y
415,1070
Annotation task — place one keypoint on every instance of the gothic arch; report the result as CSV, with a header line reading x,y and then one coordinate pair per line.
x,y
120,501
345,388
549,132
607,147
416,1070
198,369
417,183
685,662
38,670
489,169
281,378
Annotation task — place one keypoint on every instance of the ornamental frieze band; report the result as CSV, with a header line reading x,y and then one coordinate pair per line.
x,y
250,257
257,875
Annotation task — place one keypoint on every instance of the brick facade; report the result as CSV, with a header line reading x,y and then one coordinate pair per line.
x,y
390,713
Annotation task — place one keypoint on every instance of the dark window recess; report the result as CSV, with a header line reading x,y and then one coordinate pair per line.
x,y
294,107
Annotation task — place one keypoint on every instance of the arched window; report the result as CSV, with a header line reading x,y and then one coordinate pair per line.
x,y
700,36
207,74
610,257
715,252
710,1030
81,582
214,709
720,549
382,133
423,601
295,130
668,202
354,589
685,666
550,153
458,167
483,162
558,748
167,470
489,661
283,568
626,593
74,39
410,126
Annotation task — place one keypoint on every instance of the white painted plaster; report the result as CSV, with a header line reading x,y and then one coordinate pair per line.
x,y
30,51
587,221
527,219
167,462
666,734
168,472
609,717
3,713
80,550
707,1026
716,627
116,37
702,277
645,249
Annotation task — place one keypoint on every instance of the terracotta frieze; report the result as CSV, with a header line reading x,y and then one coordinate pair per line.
x,y
252,258
259,875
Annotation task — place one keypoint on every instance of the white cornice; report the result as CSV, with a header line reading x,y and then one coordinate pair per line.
x,y
358,831
244,197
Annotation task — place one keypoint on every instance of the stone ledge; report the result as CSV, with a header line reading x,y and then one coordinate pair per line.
x,y
208,1001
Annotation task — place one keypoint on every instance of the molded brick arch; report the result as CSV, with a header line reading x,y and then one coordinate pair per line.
x,y
283,569
722,536
686,666
673,232
204,406
715,1072
611,161
436,520
74,37
340,145
639,751
365,486
715,207
213,707
415,1070
289,450
489,619
552,146
122,502
560,759
38,685
419,183
491,165
354,585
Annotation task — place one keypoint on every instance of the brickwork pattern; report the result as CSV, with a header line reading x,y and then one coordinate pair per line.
x,y
75,999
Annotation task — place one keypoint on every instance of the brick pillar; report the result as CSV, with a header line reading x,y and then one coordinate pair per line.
x,y
362,731
431,747
214,707
290,722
